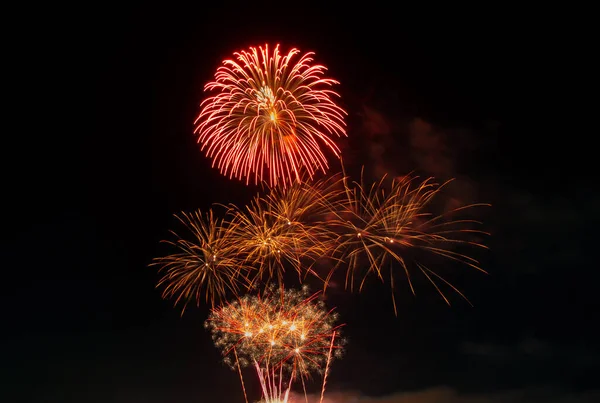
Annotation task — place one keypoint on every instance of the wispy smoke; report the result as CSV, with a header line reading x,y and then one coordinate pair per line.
x,y
397,146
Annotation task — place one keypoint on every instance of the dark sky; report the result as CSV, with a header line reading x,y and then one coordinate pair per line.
x,y
113,158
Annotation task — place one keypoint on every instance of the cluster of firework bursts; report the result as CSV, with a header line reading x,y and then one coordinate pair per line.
x,y
218,257
270,119
361,231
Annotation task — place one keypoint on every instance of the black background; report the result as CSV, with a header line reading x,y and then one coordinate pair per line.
x,y
108,155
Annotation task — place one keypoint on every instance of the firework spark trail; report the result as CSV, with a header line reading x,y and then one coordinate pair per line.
x,y
237,364
205,262
382,227
271,112
272,391
327,367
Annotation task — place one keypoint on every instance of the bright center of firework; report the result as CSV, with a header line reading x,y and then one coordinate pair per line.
x,y
278,331
266,100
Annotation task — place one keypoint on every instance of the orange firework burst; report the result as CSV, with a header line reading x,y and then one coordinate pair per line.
x,y
306,205
271,116
285,229
304,209
206,263
287,331
378,230
266,246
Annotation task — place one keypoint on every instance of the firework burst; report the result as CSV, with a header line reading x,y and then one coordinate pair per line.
x,y
265,245
287,332
284,230
205,262
305,202
379,228
305,208
271,117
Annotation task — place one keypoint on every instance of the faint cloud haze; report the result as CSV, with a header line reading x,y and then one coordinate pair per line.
x,y
444,394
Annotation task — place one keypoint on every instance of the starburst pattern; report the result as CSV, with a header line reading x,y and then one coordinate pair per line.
x,y
381,227
271,117
289,330
205,264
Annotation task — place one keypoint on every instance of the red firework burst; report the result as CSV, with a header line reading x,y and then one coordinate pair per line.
x,y
271,117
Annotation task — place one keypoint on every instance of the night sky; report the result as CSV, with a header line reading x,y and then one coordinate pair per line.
x,y
113,157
